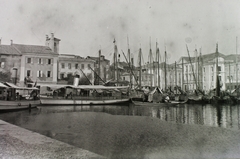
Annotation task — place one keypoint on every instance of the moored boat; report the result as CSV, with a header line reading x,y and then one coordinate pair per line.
x,y
170,103
85,95
14,98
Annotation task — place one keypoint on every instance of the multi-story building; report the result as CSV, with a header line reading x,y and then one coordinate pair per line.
x,y
210,69
10,62
232,77
101,68
72,65
30,63
39,63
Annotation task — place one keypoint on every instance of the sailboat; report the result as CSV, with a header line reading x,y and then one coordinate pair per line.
x,y
219,97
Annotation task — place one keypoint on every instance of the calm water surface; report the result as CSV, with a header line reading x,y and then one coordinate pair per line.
x,y
223,116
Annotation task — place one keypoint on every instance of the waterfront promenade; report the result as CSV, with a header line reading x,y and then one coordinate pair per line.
x,y
16,142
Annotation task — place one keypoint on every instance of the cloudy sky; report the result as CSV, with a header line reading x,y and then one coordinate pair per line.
x,y
86,26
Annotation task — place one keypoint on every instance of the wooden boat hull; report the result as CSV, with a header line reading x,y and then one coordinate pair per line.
x,y
51,101
7,106
172,103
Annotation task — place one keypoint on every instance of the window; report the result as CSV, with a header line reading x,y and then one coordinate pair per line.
x,y
212,78
82,66
204,78
186,68
29,60
49,61
28,73
48,73
69,66
40,61
203,69
220,78
39,73
62,76
219,68
63,65
89,65
76,66
212,69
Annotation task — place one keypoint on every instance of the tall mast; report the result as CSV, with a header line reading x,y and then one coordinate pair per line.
x,y
140,67
236,64
175,73
165,69
150,63
116,60
217,78
129,58
99,66
158,73
192,68
182,74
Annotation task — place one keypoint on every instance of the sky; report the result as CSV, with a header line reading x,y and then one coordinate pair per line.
x,y
86,26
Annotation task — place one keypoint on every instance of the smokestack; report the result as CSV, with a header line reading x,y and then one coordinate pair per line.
x,y
11,42
52,34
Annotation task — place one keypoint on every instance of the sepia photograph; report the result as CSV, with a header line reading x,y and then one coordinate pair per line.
x,y
126,79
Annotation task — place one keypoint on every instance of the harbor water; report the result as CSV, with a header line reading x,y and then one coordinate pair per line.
x,y
130,131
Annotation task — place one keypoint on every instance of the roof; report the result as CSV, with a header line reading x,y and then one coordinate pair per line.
x,y
33,49
86,87
70,56
211,56
97,58
8,49
232,57
205,58
11,85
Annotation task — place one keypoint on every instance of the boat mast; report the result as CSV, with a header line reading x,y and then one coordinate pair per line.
x,y
192,67
158,73
97,75
140,67
175,73
116,61
236,64
129,62
182,74
130,67
150,63
165,69
99,66
217,78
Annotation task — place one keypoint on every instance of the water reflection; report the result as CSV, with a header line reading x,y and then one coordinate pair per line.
x,y
225,116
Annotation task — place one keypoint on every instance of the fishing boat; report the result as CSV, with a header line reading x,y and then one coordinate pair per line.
x,y
14,98
84,95
170,103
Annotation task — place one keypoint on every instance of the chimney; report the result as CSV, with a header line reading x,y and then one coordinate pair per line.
x,y
11,42
46,37
52,34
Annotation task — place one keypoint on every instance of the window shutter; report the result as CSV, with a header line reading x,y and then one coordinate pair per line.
x,y
37,73
41,73
32,60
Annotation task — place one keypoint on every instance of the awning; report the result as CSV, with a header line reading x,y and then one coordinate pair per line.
x,y
11,85
86,87
3,86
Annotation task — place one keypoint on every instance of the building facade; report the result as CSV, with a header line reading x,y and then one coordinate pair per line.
x,y
72,65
